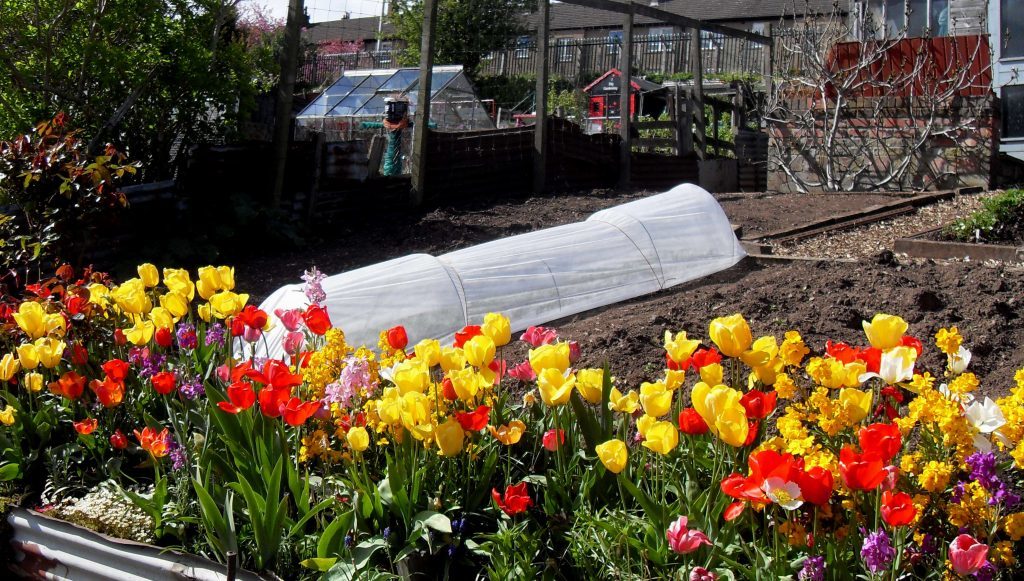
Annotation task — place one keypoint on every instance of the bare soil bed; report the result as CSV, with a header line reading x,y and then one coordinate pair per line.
x,y
824,300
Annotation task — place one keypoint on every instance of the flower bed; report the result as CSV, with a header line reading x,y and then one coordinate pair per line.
x,y
744,458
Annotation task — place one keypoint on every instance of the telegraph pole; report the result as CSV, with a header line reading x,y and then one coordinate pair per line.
x,y
285,91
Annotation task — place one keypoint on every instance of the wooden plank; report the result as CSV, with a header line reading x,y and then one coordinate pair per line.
x,y
625,89
697,66
655,142
670,18
655,125
540,131
946,250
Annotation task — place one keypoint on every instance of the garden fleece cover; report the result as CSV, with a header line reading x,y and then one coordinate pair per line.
x,y
616,254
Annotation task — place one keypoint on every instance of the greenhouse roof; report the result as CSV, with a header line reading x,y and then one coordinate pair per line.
x,y
361,93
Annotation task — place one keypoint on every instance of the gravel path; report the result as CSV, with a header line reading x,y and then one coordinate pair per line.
x,y
866,241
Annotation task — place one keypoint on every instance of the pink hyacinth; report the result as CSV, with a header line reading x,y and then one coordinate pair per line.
x,y
537,336
683,540
967,555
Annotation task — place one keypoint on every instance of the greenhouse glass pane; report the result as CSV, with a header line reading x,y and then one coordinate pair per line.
x,y
401,80
349,105
374,106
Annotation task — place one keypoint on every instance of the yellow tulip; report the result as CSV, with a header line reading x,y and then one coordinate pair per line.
x,y
510,433
497,327
720,408
449,437
99,295
761,352
130,296
178,280
49,351
550,356
205,312
767,373
415,409
227,304
209,282
34,381
389,408
141,333
428,351
452,359
467,383
28,356
411,376
423,432
655,398
678,347
590,383
731,334
175,303
149,274
661,437
555,386
7,415
857,402
674,378
55,324
227,277
712,373
613,455
31,318
358,438
162,318
8,367
885,331
479,351
626,404
644,423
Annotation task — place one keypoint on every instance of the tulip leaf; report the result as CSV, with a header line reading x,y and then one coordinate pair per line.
x,y
433,520
322,564
651,508
588,423
9,472
362,552
333,536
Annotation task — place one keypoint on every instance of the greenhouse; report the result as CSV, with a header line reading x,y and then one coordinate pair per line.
x,y
360,95
616,254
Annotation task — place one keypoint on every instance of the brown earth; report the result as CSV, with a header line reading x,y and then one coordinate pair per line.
x,y
823,300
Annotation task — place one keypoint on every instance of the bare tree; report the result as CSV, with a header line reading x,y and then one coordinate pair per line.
x,y
858,105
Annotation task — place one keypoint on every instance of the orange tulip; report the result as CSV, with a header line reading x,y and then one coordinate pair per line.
x,y
109,392
153,442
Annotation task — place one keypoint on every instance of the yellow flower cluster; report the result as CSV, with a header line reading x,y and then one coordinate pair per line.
x,y
327,362
934,476
973,510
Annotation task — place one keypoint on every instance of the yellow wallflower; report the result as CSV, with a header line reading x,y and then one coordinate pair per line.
x,y
910,462
498,328
731,334
948,340
935,476
784,386
613,455
793,350
1001,554
964,383
1013,524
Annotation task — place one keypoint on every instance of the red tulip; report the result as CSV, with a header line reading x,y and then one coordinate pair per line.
x,y
516,499
164,382
549,439
691,423
86,426
758,404
734,510
474,421
752,429
816,485
872,358
467,333
116,369
163,337
79,354
448,390
272,400
743,488
882,439
702,357
914,342
897,509
864,471
252,316
397,337
241,395
119,338
109,392
275,374
118,440
70,385
841,351
296,411
75,304
317,320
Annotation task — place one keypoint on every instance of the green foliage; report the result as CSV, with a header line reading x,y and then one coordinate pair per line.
x,y
466,29
152,76
1001,219
516,91
60,194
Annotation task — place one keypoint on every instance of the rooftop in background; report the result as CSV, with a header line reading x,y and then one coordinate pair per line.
x,y
349,29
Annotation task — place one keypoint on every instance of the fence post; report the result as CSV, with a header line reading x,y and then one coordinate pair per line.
x,y
540,127
419,140
697,66
625,115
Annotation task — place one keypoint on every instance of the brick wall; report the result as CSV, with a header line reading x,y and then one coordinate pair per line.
x,y
879,131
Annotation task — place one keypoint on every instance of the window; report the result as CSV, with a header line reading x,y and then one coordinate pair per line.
x,y
614,41
711,40
522,47
659,39
1013,111
564,50
384,51
1012,30
918,17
